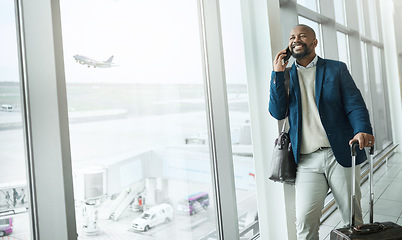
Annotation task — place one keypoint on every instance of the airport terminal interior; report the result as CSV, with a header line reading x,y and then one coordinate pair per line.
x,y
148,120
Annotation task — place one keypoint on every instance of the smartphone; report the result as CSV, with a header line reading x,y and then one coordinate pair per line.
x,y
288,54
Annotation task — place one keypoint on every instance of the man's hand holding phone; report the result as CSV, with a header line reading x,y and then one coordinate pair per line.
x,y
279,65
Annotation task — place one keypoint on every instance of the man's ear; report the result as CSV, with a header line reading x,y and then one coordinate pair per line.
x,y
315,42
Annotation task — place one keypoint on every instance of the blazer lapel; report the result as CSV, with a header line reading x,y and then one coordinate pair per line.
x,y
296,120
319,79
294,82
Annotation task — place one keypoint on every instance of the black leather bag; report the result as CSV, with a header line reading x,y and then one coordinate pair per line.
x,y
283,165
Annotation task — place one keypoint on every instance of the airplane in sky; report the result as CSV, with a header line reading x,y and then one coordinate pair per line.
x,y
94,63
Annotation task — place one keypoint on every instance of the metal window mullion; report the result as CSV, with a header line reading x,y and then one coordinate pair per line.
x,y
46,120
218,120
25,121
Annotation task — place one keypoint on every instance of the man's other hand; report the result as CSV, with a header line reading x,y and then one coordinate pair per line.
x,y
364,139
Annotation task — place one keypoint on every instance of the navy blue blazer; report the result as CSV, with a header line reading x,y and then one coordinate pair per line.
x,y
340,105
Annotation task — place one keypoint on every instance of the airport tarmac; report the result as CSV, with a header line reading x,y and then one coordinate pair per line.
x,y
96,141
181,227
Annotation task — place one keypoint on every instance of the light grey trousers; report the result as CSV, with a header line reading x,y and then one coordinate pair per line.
x,y
316,173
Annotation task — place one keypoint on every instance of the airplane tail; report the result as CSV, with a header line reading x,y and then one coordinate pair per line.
x,y
109,60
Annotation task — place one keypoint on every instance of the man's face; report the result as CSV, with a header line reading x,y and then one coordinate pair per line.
x,y
302,42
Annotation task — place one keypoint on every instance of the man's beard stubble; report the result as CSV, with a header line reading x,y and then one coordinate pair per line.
x,y
302,54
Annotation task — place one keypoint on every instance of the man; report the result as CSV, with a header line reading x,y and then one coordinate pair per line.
x,y
15,197
326,112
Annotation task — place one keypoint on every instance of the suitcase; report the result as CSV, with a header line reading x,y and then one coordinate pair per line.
x,y
371,231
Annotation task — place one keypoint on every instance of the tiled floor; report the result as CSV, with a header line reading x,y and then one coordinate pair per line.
x,y
387,184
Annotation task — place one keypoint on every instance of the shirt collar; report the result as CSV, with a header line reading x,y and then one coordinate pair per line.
x,y
311,64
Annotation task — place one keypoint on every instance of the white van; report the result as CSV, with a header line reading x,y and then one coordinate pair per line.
x,y
152,217
6,108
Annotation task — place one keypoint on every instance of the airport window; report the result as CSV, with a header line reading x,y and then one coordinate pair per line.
x,y
139,137
377,67
310,4
360,13
239,116
343,48
136,98
382,137
339,11
366,94
373,19
14,194
369,92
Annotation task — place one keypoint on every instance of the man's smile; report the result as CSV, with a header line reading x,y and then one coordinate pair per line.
x,y
298,46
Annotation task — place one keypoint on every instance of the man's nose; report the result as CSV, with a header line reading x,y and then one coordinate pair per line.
x,y
296,40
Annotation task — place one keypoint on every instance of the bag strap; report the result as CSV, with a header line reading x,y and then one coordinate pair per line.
x,y
284,123
287,86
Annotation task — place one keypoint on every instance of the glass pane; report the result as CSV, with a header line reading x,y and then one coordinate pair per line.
x,y
373,19
316,27
343,49
140,150
239,116
339,11
365,71
382,131
360,12
311,4
14,208
367,94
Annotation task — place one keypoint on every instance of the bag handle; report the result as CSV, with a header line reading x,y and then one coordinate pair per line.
x,y
369,228
353,197
284,123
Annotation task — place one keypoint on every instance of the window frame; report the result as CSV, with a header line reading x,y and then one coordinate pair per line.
x,y
47,138
48,143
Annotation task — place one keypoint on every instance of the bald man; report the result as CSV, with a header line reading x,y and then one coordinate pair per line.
x,y
326,112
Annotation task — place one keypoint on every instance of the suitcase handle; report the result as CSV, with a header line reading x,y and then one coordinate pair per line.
x,y
369,228
356,144
353,197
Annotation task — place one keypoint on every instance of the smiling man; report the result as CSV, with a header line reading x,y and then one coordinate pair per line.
x,y
326,112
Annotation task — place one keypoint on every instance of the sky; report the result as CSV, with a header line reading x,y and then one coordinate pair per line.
x,y
8,43
153,41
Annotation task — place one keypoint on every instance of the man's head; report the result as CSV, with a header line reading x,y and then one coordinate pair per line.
x,y
302,41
